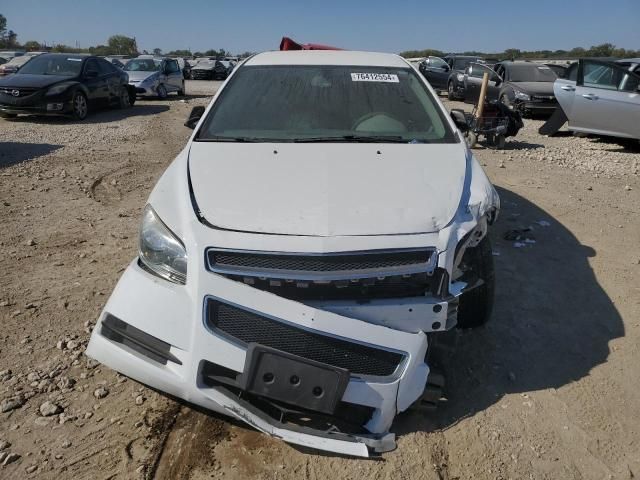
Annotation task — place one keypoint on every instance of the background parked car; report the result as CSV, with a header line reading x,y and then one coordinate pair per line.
x,y
114,61
13,65
524,86
63,84
455,82
155,77
436,71
601,97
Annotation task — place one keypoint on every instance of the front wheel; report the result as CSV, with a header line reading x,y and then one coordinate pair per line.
x,y
450,91
80,107
476,305
124,99
162,91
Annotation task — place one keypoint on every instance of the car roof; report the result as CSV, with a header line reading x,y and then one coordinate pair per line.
x,y
67,55
629,60
328,57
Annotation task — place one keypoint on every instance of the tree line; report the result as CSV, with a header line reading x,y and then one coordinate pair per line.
x,y
116,45
603,50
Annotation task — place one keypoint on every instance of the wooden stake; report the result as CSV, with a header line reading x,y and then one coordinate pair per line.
x,y
483,94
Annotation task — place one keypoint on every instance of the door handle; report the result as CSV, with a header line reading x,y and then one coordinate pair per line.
x,y
568,88
590,96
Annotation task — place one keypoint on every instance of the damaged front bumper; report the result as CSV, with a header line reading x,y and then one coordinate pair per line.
x,y
193,341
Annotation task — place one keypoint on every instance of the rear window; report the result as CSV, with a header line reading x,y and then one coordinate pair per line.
x,y
303,103
530,73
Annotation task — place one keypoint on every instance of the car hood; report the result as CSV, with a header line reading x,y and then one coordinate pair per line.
x,y
534,88
136,76
33,81
328,189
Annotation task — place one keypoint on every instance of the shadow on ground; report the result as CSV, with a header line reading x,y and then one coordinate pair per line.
x,y
551,325
96,115
15,152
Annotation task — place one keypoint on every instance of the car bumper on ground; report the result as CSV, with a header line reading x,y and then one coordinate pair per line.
x,y
166,336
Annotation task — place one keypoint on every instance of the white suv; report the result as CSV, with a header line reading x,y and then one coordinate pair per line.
x,y
324,221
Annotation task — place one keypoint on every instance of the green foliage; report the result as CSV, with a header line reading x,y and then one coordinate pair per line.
x,y
122,45
31,46
180,53
603,50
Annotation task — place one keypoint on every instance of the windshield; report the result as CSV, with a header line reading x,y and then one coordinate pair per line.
x,y
142,65
531,73
463,63
325,103
53,65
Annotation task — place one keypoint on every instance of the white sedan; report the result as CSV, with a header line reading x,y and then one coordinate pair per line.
x,y
324,223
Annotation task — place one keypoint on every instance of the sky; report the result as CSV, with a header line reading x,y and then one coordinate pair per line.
x,y
377,25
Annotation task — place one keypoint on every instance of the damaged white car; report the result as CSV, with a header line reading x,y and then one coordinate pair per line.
x,y
323,225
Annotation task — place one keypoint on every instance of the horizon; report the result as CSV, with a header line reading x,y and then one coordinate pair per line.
x,y
379,27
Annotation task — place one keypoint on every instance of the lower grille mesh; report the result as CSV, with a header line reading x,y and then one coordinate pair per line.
x,y
247,327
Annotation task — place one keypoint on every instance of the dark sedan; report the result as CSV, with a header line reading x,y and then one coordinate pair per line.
x,y
523,86
64,84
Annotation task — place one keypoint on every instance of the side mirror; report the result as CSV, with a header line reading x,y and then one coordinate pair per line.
x,y
497,80
445,68
460,119
194,117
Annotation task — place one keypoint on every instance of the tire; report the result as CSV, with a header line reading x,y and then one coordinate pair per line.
x,y
182,90
124,100
450,91
476,305
8,115
472,138
161,91
80,106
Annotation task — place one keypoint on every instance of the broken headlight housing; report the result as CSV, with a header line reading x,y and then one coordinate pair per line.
x,y
160,250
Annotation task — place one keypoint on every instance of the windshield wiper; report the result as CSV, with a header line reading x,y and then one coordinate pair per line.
x,y
355,139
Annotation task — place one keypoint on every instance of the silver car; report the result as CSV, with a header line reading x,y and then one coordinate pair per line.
x,y
602,98
155,77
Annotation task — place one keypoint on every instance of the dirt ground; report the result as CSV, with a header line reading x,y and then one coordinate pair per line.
x,y
549,389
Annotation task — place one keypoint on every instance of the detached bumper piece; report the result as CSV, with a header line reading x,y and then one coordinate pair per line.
x,y
340,431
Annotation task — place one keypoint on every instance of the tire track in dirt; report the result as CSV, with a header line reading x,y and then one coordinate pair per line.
x,y
189,439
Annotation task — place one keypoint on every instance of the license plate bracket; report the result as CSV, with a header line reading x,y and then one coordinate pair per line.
x,y
294,380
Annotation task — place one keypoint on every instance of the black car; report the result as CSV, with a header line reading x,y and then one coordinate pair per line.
x,y
64,84
211,69
524,86
450,79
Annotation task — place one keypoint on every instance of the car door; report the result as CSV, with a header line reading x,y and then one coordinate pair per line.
x,y
173,75
436,71
473,82
607,100
95,82
112,80
564,88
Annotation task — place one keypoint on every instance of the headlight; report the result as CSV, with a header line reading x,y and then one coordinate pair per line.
x,y
160,250
522,96
59,88
460,77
